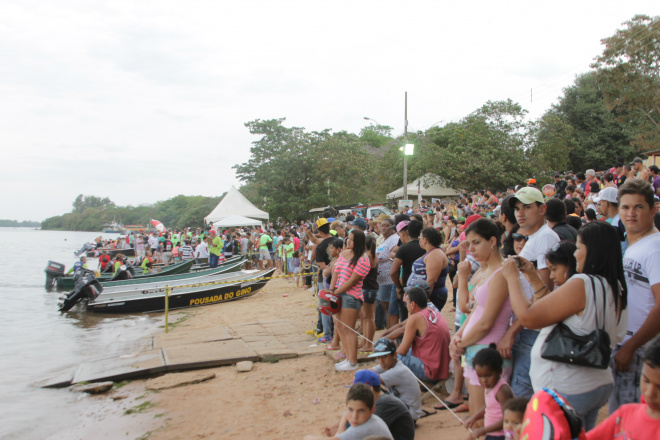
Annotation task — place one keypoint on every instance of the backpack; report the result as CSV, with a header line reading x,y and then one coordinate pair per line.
x,y
549,417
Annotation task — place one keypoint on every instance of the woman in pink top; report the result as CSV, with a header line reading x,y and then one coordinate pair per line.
x,y
492,315
351,268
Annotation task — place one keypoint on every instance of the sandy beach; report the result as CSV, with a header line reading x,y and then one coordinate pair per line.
x,y
287,398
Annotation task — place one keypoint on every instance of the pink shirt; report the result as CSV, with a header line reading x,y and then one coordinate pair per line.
x,y
345,270
502,321
493,408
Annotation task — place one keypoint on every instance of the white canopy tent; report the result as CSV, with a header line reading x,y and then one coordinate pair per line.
x,y
236,220
235,204
435,190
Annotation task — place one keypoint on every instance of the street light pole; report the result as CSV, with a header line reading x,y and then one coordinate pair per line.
x,y
405,156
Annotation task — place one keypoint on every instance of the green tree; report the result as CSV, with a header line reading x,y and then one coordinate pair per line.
x,y
628,73
600,137
552,142
485,149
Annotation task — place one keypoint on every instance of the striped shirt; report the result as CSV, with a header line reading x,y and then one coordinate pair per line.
x,y
186,252
345,270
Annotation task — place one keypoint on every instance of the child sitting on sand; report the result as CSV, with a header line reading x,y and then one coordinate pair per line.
x,y
514,412
488,366
637,420
359,413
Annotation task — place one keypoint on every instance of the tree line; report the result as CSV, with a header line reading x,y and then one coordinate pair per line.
x,y
611,111
90,213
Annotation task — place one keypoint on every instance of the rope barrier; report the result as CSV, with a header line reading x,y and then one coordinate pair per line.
x,y
413,374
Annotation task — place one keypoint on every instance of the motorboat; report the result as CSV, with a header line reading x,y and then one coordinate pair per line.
x,y
67,282
150,297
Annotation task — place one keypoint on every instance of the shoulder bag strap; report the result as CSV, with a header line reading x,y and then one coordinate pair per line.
x,y
604,300
593,289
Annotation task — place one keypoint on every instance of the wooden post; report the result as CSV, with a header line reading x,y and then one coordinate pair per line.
x,y
167,306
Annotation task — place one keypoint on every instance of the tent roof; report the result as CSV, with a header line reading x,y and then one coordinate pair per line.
x,y
434,190
235,203
236,220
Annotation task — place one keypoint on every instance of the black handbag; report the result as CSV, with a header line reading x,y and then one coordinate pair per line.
x,y
592,350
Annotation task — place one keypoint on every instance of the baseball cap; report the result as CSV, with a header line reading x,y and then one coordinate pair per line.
x,y
382,347
322,221
422,284
637,160
401,225
350,218
527,196
368,377
530,180
471,219
608,194
359,222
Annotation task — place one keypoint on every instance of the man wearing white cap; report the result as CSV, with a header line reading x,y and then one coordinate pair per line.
x,y
608,205
529,207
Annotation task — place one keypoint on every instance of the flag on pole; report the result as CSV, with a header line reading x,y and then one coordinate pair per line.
x,y
158,225
419,191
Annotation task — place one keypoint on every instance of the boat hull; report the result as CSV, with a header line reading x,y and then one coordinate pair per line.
x,y
202,295
129,252
230,267
68,283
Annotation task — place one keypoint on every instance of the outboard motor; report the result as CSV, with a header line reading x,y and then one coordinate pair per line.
x,y
53,271
87,287
124,272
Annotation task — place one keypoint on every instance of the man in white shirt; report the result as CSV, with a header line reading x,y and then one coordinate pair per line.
x,y
529,207
641,264
202,252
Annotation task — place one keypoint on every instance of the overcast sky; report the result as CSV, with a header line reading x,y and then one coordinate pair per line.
x,y
140,101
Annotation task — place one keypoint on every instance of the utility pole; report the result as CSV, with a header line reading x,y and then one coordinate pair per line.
x,y
405,157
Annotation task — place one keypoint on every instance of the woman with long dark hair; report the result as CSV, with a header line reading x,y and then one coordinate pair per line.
x,y
491,317
431,267
595,297
370,293
350,270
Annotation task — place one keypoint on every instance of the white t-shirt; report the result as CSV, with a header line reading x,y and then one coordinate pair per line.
x,y
384,264
202,250
373,426
641,267
573,379
538,245
402,383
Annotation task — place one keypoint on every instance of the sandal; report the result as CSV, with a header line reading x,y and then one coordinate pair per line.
x,y
447,405
330,347
339,356
427,413
325,339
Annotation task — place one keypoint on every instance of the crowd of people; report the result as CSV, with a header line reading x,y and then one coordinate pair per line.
x,y
581,254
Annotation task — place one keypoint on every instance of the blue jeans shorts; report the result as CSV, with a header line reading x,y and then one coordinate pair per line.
x,y
369,296
350,302
387,293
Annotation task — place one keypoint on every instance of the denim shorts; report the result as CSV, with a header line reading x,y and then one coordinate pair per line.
x,y
387,293
350,302
369,296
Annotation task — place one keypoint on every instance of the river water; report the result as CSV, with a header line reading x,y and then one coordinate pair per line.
x,y
38,342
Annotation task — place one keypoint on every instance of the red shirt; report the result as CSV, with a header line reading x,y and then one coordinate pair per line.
x,y
432,348
630,422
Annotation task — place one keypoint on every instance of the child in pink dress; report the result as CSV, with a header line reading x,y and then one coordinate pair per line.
x,y
487,363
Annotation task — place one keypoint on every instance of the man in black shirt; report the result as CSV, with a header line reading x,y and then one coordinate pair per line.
x,y
555,216
324,322
405,256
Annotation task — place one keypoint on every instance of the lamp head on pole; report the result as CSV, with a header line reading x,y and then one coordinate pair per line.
x,y
409,149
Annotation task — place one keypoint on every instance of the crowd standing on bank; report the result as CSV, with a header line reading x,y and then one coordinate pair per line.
x,y
582,254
